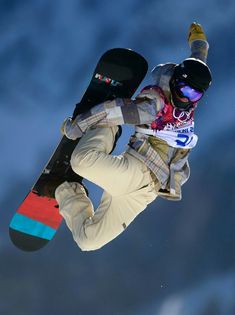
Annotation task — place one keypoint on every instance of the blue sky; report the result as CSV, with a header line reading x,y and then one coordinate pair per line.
x,y
47,54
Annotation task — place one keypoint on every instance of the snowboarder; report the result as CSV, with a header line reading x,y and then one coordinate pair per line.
x,y
156,160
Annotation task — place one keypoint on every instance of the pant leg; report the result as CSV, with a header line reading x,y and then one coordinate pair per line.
x,y
112,217
74,205
117,175
128,187
92,230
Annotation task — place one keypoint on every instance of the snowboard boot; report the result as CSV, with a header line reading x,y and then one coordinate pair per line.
x,y
50,185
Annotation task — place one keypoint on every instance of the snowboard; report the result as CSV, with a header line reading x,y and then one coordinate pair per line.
x,y
118,73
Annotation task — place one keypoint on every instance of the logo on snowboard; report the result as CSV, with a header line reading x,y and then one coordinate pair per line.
x,y
107,80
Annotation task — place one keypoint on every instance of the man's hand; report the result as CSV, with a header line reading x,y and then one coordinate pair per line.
x,y
196,32
70,129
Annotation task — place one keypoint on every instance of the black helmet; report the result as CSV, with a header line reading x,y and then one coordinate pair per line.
x,y
192,72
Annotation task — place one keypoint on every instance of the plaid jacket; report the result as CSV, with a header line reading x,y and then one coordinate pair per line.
x,y
168,165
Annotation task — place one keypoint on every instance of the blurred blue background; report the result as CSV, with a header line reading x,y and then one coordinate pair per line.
x,y
177,258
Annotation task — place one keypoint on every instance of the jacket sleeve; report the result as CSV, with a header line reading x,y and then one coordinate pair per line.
x,y
197,40
199,49
141,110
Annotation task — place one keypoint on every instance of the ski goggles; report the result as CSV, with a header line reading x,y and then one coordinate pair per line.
x,y
186,93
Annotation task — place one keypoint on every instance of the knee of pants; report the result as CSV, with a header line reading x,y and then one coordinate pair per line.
x,y
88,244
80,161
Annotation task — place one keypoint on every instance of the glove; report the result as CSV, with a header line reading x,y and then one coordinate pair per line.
x,y
70,129
196,32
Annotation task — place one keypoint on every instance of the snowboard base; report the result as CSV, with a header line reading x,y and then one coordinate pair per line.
x,y
25,241
35,222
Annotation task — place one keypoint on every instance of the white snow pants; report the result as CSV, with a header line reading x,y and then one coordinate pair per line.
x,y
128,189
